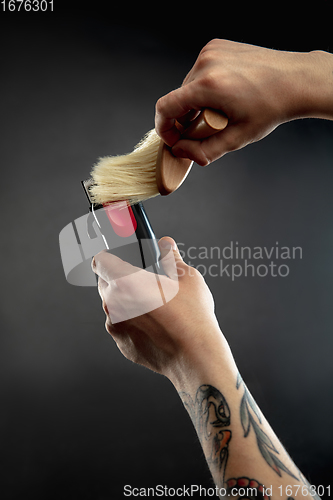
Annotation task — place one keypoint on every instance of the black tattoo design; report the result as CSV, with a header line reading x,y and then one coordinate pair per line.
x,y
209,413
265,445
243,487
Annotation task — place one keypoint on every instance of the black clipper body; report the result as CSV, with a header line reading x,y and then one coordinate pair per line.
x,y
126,231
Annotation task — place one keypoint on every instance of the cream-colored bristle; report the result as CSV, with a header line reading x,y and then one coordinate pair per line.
x,y
129,177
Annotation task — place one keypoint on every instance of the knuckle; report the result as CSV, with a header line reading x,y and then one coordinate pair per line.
x,y
210,45
108,326
177,97
205,58
192,272
127,348
171,103
215,41
210,81
120,285
206,156
203,161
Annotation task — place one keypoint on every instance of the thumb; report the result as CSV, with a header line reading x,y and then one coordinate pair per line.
x,y
204,152
172,262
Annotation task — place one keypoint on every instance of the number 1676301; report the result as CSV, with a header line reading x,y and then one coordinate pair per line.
x,y
27,5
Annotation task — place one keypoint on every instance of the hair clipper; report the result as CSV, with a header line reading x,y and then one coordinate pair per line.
x,y
126,231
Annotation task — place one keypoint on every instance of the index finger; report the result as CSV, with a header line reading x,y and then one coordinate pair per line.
x,y
110,267
170,107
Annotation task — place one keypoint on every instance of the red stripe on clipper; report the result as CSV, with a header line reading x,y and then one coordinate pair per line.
x,y
121,217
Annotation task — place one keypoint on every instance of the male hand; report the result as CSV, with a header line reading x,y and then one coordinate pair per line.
x,y
176,336
257,88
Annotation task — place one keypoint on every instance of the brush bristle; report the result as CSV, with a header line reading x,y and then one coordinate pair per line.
x,y
129,177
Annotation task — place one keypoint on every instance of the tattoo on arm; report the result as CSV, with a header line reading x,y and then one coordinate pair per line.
x,y
248,412
210,414
243,487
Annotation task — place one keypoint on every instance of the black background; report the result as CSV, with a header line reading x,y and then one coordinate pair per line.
x,y
77,419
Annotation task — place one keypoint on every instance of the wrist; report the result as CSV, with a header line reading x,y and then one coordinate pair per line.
x,y
204,362
310,89
321,84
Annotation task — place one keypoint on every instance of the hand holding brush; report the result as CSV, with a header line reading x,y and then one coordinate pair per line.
x,y
256,88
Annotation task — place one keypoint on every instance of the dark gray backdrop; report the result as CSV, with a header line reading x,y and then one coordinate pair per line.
x,y
77,419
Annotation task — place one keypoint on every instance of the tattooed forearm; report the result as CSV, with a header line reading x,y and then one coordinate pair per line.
x,y
210,413
248,412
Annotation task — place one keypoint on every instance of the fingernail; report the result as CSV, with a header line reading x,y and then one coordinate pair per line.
x,y
165,244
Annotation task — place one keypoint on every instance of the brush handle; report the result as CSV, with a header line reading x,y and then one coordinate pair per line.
x,y
208,123
171,171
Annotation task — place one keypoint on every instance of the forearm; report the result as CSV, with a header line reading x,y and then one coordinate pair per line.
x,y
311,95
182,340
239,445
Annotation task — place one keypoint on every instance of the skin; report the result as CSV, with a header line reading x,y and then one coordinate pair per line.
x,y
257,88
182,340
168,339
